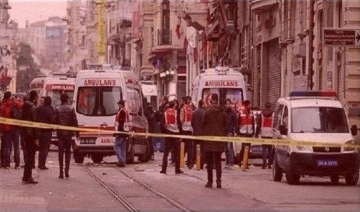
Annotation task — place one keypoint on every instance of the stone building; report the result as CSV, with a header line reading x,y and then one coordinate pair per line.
x,y
288,51
8,29
168,44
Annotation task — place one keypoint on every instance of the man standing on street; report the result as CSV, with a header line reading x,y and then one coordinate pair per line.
x,y
245,126
214,125
197,125
185,119
229,130
29,136
65,115
264,129
171,127
121,118
47,116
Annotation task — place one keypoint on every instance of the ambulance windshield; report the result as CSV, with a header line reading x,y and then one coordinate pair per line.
x,y
98,101
55,97
319,120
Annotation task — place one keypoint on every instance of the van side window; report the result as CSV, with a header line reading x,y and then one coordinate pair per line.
x,y
278,114
285,117
134,102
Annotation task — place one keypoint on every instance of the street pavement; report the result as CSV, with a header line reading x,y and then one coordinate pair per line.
x,y
242,191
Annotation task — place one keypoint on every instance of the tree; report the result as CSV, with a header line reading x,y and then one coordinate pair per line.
x,y
26,66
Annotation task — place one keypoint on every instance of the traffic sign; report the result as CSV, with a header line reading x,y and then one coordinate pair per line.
x,y
337,37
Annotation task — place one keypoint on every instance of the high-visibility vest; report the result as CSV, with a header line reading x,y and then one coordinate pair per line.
x,y
186,124
266,126
126,121
246,123
171,120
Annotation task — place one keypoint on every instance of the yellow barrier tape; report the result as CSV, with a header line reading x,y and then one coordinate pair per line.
x,y
282,142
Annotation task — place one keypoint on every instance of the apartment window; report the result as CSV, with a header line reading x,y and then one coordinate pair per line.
x,y
165,28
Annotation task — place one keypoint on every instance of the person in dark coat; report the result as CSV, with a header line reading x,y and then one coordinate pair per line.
x,y
197,125
214,125
47,116
65,115
229,131
29,136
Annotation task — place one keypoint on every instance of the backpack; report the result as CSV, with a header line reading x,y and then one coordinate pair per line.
x,y
15,112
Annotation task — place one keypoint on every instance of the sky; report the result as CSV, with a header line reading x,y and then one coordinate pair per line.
x,y
35,10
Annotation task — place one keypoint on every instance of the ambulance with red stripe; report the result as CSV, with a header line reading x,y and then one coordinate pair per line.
x,y
227,82
54,86
97,92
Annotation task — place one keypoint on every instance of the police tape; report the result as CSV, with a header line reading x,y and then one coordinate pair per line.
x,y
267,141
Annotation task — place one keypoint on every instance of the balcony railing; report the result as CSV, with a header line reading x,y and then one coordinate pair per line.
x,y
164,37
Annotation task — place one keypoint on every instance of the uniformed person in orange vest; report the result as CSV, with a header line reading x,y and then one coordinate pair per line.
x,y
122,117
170,123
245,126
264,130
185,119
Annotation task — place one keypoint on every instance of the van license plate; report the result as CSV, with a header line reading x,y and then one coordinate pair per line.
x,y
327,163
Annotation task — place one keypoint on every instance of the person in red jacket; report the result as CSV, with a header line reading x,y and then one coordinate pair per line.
x,y
264,129
170,123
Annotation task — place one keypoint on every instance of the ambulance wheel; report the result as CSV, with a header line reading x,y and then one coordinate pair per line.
x,y
334,179
277,172
292,179
79,158
97,158
352,179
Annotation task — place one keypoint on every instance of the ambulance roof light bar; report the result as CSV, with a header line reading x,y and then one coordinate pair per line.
x,y
319,94
221,70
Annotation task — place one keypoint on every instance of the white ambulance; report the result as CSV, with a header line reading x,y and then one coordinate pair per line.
x,y
318,117
96,95
54,86
227,82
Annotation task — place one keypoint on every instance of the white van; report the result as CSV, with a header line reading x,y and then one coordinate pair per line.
x,y
318,117
96,95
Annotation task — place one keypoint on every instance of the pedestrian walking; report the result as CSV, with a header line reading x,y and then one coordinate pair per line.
x,y
121,118
214,125
185,119
47,116
65,115
230,123
197,125
245,126
29,137
170,126
264,130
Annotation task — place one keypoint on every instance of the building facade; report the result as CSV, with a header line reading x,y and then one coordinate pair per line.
x,y
8,29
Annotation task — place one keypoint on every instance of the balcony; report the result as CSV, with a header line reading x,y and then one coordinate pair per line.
x,y
259,6
164,42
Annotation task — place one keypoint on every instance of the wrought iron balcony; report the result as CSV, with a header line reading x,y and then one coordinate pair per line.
x,y
164,37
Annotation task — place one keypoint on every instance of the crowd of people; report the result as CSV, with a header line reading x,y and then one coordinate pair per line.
x,y
172,118
184,118
35,139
